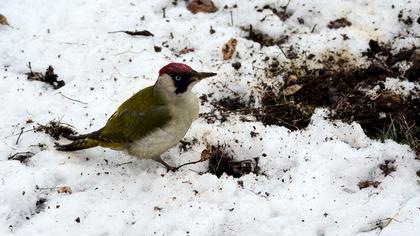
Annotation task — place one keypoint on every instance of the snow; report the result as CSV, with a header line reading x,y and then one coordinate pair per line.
x,y
311,176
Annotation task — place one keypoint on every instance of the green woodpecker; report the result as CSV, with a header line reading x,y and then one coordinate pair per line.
x,y
152,120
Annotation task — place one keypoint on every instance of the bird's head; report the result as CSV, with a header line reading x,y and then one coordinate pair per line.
x,y
178,78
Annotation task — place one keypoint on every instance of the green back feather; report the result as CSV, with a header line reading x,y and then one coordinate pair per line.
x,y
135,118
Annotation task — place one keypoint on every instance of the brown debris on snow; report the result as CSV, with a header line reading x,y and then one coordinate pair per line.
x,y
368,183
263,39
221,162
185,51
3,20
387,167
64,189
196,6
56,129
229,49
339,23
49,77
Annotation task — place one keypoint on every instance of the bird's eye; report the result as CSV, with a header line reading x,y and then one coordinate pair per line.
x,y
177,78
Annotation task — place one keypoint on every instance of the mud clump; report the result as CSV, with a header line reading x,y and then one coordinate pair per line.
x,y
221,162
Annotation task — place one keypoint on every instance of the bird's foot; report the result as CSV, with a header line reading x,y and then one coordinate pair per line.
x,y
168,167
171,168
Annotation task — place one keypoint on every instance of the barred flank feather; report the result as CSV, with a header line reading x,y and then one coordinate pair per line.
x,y
78,145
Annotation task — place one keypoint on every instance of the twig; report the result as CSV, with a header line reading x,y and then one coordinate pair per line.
x,y
231,18
313,28
29,130
189,163
125,52
20,134
72,99
287,5
124,163
133,33
281,49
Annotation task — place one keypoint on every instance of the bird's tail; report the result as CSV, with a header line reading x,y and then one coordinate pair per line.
x,y
78,144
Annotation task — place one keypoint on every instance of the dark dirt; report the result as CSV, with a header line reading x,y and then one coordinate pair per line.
x,y
186,145
157,48
196,6
56,129
282,13
387,167
338,85
406,20
49,77
263,39
40,205
236,65
222,162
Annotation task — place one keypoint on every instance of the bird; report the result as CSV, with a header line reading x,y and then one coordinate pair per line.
x,y
152,121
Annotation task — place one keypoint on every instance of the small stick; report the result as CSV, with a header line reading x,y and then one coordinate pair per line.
x,y
72,99
313,28
281,49
287,5
124,163
231,18
133,33
20,134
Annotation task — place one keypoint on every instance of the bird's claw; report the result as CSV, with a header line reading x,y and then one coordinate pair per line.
x,y
171,168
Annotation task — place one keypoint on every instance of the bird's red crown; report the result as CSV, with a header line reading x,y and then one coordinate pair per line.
x,y
175,68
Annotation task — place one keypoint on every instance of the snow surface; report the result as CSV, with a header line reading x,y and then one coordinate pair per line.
x,y
311,176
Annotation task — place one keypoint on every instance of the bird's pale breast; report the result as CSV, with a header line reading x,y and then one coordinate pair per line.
x,y
163,138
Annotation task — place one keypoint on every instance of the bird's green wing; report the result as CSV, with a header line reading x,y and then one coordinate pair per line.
x,y
135,118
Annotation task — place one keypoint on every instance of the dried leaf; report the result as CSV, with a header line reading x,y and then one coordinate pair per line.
x,y
282,15
185,51
3,20
64,189
205,155
292,89
339,23
196,6
229,48
388,101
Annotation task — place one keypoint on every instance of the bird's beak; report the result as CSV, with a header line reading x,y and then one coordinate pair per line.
x,y
197,76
